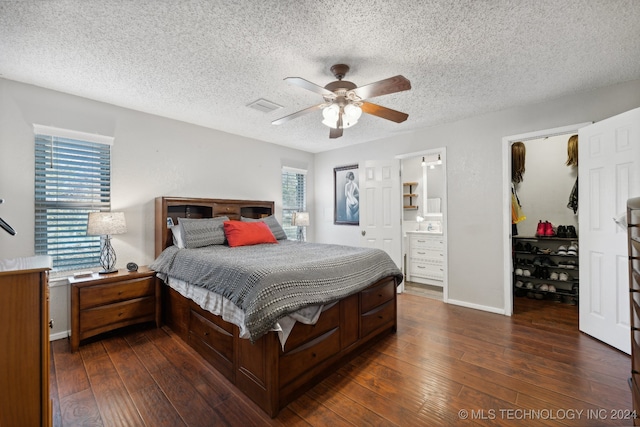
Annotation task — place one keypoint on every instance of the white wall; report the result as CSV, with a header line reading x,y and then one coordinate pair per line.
x,y
151,157
474,168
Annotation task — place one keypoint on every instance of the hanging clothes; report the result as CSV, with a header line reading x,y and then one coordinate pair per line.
x,y
573,198
517,215
516,211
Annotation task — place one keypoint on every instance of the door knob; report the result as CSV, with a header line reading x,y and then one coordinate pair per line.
x,y
363,232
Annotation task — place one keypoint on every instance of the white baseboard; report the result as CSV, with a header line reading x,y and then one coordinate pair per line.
x,y
59,335
476,306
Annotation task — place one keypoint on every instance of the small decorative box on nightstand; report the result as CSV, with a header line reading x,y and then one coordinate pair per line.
x,y
102,303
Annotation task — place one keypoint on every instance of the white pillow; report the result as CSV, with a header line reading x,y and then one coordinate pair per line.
x,y
178,239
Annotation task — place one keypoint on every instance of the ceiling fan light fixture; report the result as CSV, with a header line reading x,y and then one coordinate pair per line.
x,y
330,115
353,112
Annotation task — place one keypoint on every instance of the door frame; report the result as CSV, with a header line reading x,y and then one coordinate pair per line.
x,y
444,206
507,141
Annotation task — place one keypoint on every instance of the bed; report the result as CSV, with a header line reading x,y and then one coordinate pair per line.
x,y
270,362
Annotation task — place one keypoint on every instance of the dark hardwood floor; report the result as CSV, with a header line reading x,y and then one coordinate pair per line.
x,y
446,365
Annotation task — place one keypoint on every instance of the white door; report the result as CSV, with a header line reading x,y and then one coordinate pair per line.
x,y
380,207
609,174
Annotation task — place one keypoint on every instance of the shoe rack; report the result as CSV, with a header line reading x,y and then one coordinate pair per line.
x,y
633,233
546,268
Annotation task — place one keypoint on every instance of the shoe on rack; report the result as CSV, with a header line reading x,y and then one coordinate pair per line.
x,y
562,250
572,250
563,277
542,226
537,261
519,284
548,229
526,273
571,232
519,247
562,231
544,287
548,262
553,276
518,272
552,288
528,285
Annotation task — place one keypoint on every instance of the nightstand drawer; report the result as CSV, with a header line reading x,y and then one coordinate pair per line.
x,y
97,295
118,313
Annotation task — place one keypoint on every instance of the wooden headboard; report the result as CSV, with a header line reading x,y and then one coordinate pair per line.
x,y
185,207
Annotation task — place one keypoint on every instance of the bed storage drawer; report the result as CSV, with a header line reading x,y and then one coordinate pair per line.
x,y
213,342
302,333
296,363
374,297
109,293
378,317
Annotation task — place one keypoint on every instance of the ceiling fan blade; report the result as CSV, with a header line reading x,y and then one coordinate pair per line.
x,y
298,114
383,87
384,112
335,133
306,84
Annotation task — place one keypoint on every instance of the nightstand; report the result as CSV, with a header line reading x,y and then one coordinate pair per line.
x,y
104,302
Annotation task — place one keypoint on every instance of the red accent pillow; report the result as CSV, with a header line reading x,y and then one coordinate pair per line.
x,y
240,233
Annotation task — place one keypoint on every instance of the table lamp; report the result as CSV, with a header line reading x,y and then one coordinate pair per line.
x,y
300,219
106,224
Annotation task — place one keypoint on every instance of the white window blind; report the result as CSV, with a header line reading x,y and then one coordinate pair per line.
x,y
72,178
294,199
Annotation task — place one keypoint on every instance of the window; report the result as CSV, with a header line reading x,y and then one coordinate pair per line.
x,y
294,198
72,178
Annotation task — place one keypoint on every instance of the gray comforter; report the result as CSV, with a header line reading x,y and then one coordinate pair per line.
x,y
269,281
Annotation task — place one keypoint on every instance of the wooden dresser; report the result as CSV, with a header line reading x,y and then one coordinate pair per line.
x,y
633,233
102,303
24,342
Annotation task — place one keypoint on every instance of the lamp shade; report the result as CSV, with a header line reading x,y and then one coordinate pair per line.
x,y
106,223
301,219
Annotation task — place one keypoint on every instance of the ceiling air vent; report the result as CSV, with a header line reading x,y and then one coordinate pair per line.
x,y
264,105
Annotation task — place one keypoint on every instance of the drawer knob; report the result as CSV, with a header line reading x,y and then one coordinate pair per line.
x,y
206,334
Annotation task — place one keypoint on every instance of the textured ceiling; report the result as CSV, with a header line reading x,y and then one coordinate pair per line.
x,y
204,61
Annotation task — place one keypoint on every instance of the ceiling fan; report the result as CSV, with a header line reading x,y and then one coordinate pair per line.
x,y
344,102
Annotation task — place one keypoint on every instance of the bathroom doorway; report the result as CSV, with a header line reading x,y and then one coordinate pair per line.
x,y
424,225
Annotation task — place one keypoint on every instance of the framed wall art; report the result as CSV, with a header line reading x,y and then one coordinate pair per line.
x,y
346,204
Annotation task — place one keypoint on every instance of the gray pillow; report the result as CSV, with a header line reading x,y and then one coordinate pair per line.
x,y
202,232
273,224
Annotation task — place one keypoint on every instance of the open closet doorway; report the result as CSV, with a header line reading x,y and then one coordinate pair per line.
x,y
424,225
541,251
